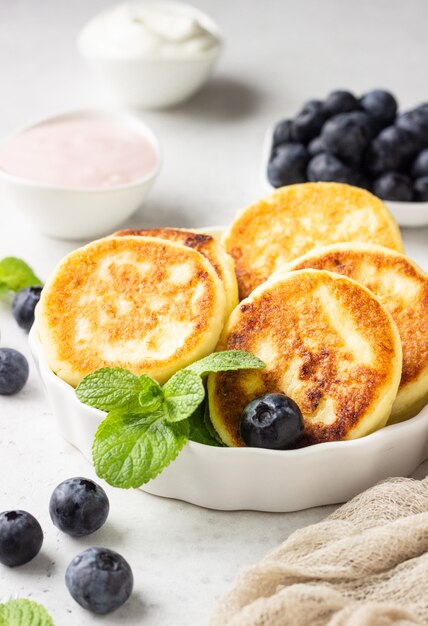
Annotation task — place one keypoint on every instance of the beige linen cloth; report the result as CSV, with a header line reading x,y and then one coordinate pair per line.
x,y
365,565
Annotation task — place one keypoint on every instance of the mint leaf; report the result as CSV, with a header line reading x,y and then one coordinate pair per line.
x,y
114,388
130,450
225,361
198,429
183,393
15,274
24,613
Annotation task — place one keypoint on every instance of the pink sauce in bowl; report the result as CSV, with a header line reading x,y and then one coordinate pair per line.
x,y
82,152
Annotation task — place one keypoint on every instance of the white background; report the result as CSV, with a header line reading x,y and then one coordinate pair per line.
x,y
277,54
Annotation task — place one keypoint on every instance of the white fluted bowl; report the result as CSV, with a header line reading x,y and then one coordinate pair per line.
x,y
254,478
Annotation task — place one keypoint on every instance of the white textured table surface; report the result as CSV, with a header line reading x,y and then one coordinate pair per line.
x,y
277,55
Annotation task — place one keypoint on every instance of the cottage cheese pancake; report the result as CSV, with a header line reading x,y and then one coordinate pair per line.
x,y
327,342
403,288
297,218
149,305
206,245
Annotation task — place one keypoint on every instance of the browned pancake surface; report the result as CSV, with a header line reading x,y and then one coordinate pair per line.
x,y
327,343
145,304
297,218
398,282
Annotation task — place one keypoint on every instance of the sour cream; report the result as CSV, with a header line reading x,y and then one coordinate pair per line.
x,y
149,30
79,153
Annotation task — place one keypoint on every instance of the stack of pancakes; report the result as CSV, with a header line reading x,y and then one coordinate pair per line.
x,y
328,300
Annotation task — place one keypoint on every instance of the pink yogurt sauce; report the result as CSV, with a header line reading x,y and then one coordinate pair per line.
x,y
80,153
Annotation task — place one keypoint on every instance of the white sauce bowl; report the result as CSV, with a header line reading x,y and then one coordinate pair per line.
x,y
150,82
70,213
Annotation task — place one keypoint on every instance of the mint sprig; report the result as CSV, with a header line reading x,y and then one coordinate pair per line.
x,y
147,425
15,274
198,428
24,612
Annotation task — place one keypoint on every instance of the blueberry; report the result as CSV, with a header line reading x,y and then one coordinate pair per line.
x,y
288,165
272,421
381,105
282,133
99,579
13,371
308,123
21,538
347,135
311,106
416,122
420,166
326,167
78,506
393,186
340,102
24,304
392,150
316,146
421,189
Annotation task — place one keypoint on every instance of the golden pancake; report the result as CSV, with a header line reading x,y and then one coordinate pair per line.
x,y
403,288
149,305
206,245
327,342
297,218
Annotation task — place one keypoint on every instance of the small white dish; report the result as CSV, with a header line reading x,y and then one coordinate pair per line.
x,y
233,479
153,82
70,213
407,214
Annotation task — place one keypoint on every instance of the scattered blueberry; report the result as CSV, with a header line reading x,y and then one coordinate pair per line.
x,y
24,304
272,420
415,122
341,102
13,371
326,167
21,538
421,189
316,146
420,166
282,133
309,122
347,135
390,150
78,506
381,105
288,166
393,186
99,579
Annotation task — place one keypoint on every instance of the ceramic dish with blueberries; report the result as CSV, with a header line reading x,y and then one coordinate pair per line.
x,y
364,141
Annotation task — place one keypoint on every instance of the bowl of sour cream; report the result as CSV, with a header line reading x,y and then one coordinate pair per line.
x,y
80,174
151,54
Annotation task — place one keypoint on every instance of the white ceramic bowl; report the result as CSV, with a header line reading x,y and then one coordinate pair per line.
x,y
253,478
153,83
69,213
408,214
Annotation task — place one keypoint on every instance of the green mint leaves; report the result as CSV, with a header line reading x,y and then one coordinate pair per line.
x,y
117,388
129,450
24,613
147,425
230,360
15,274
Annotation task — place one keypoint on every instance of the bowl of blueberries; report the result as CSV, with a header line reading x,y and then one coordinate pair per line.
x,y
364,142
